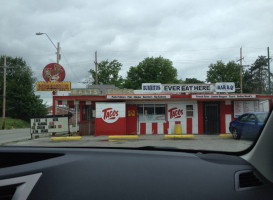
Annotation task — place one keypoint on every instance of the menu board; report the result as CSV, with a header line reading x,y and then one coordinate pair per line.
x,y
49,124
241,107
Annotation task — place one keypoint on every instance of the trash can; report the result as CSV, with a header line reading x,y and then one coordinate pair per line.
x,y
178,129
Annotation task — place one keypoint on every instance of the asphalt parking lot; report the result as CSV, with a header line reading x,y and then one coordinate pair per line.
x,y
205,142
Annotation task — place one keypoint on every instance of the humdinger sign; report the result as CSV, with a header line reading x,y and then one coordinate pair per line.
x,y
188,88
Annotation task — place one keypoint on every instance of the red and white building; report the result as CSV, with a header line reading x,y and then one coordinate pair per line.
x,y
199,108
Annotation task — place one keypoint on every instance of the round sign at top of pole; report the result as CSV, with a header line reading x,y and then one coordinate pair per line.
x,y
53,72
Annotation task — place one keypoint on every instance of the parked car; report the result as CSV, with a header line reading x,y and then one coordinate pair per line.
x,y
248,125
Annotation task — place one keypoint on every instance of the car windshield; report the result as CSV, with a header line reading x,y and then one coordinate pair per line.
x,y
192,75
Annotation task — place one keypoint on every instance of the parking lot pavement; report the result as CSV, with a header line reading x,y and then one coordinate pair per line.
x,y
202,142
14,135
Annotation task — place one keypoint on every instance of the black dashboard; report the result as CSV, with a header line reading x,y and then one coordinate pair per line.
x,y
97,173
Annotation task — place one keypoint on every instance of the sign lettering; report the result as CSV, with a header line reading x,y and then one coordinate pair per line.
x,y
175,113
110,115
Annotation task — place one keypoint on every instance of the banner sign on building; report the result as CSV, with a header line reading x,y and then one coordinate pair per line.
x,y
188,88
53,86
241,107
138,96
225,87
216,96
151,87
49,124
87,91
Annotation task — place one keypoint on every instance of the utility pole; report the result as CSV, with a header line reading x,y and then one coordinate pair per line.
x,y
269,86
58,52
4,94
96,65
241,71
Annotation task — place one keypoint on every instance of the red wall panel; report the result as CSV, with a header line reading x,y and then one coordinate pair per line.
x,y
200,118
154,128
189,125
142,128
117,128
165,127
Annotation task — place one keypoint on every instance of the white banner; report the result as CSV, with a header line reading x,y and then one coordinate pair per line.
x,y
151,87
225,87
188,88
138,96
215,96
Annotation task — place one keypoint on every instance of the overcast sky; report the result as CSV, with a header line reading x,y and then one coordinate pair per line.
x,y
192,34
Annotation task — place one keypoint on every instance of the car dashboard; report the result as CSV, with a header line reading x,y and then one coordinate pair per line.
x,y
101,173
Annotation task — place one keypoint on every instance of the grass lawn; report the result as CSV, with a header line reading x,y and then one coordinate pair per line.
x,y
14,123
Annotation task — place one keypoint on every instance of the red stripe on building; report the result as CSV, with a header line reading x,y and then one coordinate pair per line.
x,y
165,127
154,128
232,111
142,128
189,125
200,118
222,117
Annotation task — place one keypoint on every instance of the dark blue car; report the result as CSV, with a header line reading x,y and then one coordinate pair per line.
x,y
248,125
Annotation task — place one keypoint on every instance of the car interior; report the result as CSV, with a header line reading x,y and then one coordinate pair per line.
x,y
138,173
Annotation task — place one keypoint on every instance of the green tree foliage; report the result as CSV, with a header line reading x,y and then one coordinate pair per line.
x,y
108,73
221,72
21,101
259,73
248,84
151,70
192,80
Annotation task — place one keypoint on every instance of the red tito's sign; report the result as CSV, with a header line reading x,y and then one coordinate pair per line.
x,y
175,112
54,72
110,115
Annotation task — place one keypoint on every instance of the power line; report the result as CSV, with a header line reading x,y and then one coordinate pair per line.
x,y
69,64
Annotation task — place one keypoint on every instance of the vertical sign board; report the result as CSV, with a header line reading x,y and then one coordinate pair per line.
x,y
49,124
110,119
177,114
241,107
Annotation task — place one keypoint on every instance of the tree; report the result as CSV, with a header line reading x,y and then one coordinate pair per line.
x,y
108,73
248,84
221,72
151,70
259,72
192,80
21,100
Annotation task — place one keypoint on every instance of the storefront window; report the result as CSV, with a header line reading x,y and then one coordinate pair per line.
x,y
88,112
189,109
152,112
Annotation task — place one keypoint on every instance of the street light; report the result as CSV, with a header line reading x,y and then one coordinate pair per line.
x,y
57,48
58,58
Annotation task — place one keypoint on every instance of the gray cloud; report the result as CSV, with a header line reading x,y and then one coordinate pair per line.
x,y
191,34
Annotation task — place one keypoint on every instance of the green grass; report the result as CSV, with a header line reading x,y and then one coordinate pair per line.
x,y
14,123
